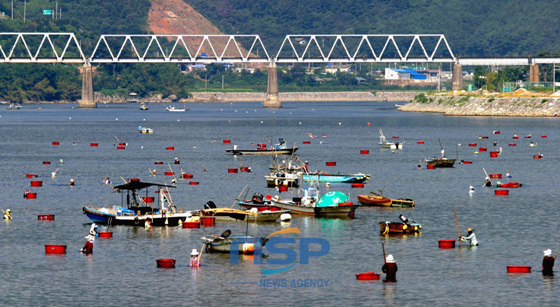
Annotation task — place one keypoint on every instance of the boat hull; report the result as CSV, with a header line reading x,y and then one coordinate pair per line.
x,y
374,200
441,162
235,215
99,216
246,245
282,151
357,178
398,228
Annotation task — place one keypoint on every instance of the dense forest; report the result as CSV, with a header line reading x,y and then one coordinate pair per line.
x,y
472,28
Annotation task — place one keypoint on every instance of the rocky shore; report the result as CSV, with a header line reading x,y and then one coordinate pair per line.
x,y
485,106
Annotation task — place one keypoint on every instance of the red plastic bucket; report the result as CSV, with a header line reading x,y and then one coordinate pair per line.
x,y
484,137
357,185
45,217
306,142
331,163
93,144
121,147
135,180
515,137
501,192
168,173
166,263
56,143
496,176
395,137
543,136
226,141
158,162
518,269
169,148
496,132
232,170
105,234
31,175
207,221
446,243
367,276
512,144
55,249
193,182
420,142
187,176
36,183
282,188
494,154
245,169
191,224
30,195
537,157
364,152
430,166
467,162
483,149
46,162
472,145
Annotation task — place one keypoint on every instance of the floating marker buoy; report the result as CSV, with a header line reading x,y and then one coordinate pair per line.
x,y
45,217
31,175
364,152
501,192
331,163
484,137
232,170
121,147
496,176
446,243
105,234
496,132
515,137
158,162
169,148
36,183
30,195
518,269
226,141
512,144
169,173
537,156
420,142
472,145
494,154
46,162
93,144
467,162
193,182
357,185
483,149
187,176
55,249
306,142
165,263
56,143
245,169
543,136
368,276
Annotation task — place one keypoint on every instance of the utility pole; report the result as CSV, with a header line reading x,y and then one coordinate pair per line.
x,y
222,82
24,10
554,77
12,9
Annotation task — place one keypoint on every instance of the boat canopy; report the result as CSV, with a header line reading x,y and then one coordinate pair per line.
x,y
332,198
138,185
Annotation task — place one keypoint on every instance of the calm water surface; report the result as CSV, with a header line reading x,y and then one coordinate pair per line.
x,y
512,230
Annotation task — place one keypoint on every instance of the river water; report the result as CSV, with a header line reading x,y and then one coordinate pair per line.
x,y
512,230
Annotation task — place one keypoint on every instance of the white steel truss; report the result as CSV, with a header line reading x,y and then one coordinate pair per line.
x,y
365,48
179,49
40,48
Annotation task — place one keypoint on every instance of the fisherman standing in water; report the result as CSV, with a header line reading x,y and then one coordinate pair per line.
x,y
88,247
390,269
471,238
548,263
7,214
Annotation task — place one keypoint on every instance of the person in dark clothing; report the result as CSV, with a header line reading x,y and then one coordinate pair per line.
x,y
548,263
390,269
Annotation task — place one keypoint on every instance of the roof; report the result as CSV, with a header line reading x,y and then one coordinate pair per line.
x,y
413,73
138,185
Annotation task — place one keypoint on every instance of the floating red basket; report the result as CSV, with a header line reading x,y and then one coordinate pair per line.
x,y
169,148
518,269
226,141
93,144
368,276
168,173
515,137
123,144
496,132
395,137
56,143
483,149
282,188
55,249
245,169
158,162
484,137
30,195
501,192
166,263
121,147
191,224
543,136
512,144
36,183
31,175
467,162
306,142
135,179
430,166
446,243
187,176
420,142
537,156
496,176
193,182
148,199
207,221
331,163
472,145
45,217
46,162
494,154
105,234
357,185
364,152
232,170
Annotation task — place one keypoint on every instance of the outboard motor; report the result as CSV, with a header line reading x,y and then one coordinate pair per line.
x,y
403,219
257,198
209,205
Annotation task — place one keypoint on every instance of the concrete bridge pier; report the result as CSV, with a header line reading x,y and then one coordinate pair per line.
x,y
534,73
87,101
272,101
457,77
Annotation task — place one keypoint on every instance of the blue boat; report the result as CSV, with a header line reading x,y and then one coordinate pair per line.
x,y
336,178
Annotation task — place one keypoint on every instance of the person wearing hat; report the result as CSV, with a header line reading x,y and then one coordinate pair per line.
x,y
195,261
471,238
8,215
177,161
390,269
88,247
548,262
71,182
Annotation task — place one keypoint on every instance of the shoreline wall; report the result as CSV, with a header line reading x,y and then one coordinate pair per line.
x,y
487,106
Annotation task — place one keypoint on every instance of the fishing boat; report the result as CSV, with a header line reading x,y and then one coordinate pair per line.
x,y
138,209
374,199
331,204
442,161
236,215
173,109
262,149
335,178
146,130
386,144
403,227
225,243
13,106
277,179
144,106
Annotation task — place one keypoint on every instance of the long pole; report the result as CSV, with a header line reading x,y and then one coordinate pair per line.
x,y
459,231
554,77
24,10
384,258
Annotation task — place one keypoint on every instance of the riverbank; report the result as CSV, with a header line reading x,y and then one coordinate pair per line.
x,y
543,106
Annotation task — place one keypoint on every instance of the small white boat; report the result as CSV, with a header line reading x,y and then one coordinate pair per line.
x,y
146,130
144,107
388,145
174,109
